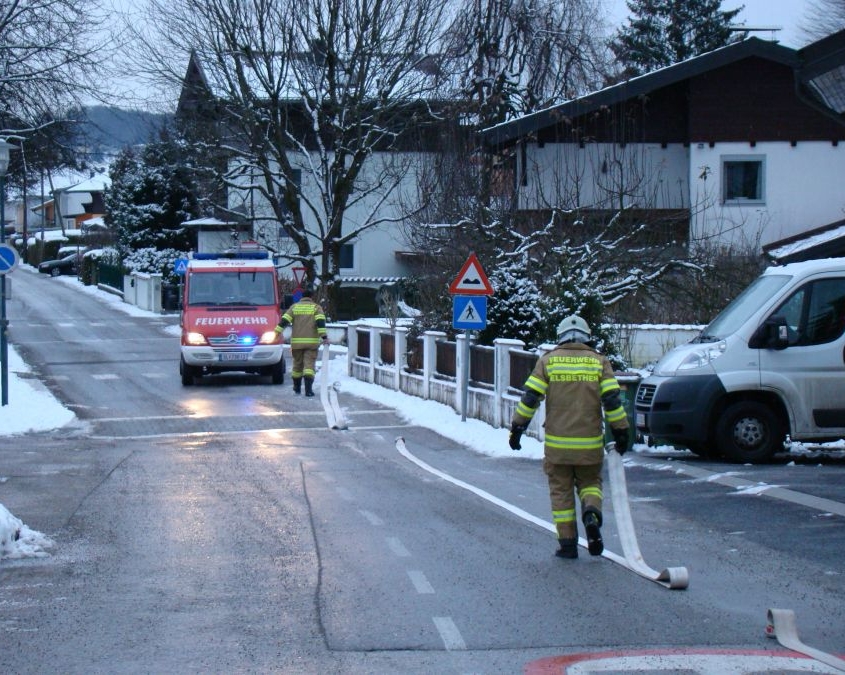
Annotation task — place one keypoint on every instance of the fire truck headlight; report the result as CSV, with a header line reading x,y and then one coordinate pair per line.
x,y
195,339
269,338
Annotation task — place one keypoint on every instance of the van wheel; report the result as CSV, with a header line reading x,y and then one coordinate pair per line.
x,y
748,431
187,373
277,373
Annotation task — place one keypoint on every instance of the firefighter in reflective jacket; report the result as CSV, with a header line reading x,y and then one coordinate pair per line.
x,y
577,383
308,331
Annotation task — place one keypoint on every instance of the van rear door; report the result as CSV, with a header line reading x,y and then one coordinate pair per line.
x,y
810,372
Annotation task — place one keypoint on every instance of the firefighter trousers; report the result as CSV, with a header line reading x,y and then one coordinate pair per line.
x,y
564,481
304,361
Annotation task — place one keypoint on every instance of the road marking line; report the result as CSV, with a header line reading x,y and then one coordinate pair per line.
x,y
420,582
743,486
449,633
398,548
106,376
372,518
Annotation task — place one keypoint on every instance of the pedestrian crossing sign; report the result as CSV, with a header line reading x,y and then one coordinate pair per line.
x,y
471,280
469,313
180,266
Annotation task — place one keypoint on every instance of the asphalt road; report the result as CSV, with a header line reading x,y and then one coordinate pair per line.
x,y
225,528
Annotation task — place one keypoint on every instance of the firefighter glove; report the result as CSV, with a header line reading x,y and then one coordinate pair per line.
x,y
516,433
620,436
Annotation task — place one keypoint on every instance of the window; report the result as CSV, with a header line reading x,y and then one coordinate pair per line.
x,y
742,180
347,256
815,313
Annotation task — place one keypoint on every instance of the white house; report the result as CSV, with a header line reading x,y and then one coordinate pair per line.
x,y
745,145
373,258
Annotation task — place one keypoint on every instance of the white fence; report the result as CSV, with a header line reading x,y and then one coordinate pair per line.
x,y
492,403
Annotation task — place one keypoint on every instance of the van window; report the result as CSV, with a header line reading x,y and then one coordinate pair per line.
x,y
729,320
815,313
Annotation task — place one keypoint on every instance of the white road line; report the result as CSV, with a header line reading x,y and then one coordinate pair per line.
x,y
744,487
152,418
420,582
372,518
106,376
398,548
449,633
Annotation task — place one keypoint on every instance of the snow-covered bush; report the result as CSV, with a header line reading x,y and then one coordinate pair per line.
x,y
152,261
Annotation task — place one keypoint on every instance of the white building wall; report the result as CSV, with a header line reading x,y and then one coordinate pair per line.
x,y
606,176
377,243
803,185
804,188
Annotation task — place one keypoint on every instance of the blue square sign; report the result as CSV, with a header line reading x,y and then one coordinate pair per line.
x,y
469,312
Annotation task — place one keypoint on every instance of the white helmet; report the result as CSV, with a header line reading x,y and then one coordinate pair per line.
x,y
573,329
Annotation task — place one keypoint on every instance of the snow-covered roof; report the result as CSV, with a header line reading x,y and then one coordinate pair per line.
x,y
96,183
208,222
371,280
818,243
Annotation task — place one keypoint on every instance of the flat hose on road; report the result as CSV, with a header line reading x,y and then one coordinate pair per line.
x,y
672,577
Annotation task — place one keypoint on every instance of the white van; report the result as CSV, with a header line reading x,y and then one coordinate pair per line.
x,y
771,364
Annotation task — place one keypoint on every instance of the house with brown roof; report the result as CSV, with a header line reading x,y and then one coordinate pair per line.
x,y
742,146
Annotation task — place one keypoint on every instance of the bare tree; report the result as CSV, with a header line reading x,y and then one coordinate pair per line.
x,y
48,62
321,103
822,18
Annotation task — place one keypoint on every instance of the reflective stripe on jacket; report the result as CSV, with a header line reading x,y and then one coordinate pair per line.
x,y
307,321
580,389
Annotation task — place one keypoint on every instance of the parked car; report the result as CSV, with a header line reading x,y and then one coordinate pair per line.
x,y
69,264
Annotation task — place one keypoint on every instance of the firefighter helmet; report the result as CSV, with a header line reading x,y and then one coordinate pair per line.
x,y
573,329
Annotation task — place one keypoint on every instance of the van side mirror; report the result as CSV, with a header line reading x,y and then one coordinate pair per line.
x,y
772,334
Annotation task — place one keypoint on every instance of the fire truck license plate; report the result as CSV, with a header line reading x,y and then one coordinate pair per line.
x,y
234,356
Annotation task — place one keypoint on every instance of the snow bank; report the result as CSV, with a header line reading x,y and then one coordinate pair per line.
x,y
17,540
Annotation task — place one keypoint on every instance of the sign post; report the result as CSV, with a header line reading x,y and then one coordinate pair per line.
x,y
469,312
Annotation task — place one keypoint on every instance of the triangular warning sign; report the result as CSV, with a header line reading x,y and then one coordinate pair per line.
x,y
471,280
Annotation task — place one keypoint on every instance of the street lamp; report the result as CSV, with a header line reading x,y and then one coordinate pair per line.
x,y
5,148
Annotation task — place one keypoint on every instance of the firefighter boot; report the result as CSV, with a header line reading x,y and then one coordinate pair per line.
x,y
309,386
568,548
297,385
592,524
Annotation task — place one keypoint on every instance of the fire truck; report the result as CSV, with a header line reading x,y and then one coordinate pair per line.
x,y
231,306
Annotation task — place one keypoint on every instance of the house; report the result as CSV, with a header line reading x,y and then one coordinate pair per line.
x,y
371,261
81,201
743,146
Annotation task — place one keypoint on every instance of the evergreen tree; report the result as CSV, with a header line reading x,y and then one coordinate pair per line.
x,y
662,32
515,310
151,195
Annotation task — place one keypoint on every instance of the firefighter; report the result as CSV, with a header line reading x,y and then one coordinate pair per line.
x,y
577,383
308,331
